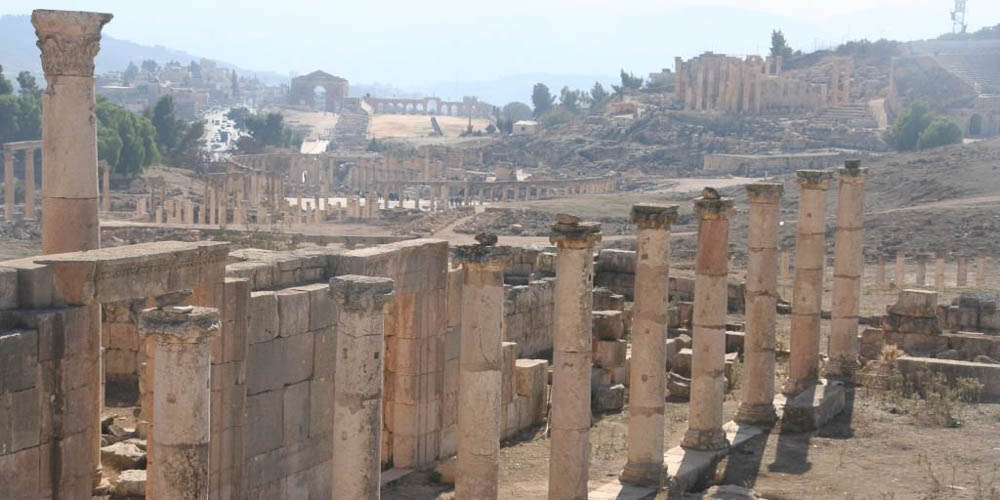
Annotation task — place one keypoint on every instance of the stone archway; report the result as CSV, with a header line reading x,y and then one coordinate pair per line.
x,y
302,91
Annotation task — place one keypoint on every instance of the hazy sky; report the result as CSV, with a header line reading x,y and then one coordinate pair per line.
x,y
409,42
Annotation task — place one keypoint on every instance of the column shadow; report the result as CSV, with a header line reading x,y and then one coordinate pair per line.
x,y
743,464
791,456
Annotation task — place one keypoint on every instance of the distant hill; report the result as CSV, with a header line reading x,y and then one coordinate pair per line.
x,y
18,52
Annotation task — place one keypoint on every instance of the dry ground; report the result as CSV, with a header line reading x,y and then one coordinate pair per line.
x,y
384,126
319,124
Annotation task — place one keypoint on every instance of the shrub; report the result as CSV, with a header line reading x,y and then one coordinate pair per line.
x,y
941,132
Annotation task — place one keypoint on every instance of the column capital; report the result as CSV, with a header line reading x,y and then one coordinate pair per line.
x,y
852,173
479,254
653,215
765,192
361,292
712,206
180,324
814,179
69,40
570,232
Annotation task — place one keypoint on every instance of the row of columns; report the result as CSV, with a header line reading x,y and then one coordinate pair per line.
x,y
9,182
961,271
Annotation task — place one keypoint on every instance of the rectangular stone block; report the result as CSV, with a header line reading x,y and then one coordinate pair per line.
x,y
298,359
265,369
263,316
296,413
34,283
607,325
508,361
320,406
8,288
264,423
609,353
916,303
293,312
20,475
18,360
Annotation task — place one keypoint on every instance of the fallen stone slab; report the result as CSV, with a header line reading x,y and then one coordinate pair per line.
x,y
123,456
812,408
130,483
688,469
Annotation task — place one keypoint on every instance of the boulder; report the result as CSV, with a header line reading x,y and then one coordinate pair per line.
x,y
123,456
131,483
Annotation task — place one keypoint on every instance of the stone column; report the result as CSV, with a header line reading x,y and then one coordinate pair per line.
x,y
900,269
105,187
8,184
880,271
981,270
921,269
479,384
939,270
569,457
647,378
181,399
69,41
807,294
357,392
29,184
848,265
708,382
963,271
757,403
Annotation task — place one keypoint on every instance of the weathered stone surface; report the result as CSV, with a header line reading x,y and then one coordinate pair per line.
x,y
8,288
122,456
131,483
609,353
293,312
607,325
264,423
263,316
678,386
609,398
915,303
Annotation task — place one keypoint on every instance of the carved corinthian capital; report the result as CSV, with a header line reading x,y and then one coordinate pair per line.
x,y
69,41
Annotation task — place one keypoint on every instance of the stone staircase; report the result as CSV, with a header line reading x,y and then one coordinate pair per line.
x,y
979,71
351,131
850,115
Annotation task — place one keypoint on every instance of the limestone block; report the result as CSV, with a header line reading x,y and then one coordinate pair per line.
x,y
263,316
915,303
508,361
122,456
8,288
674,346
265,366
18,360
264,424
320,305
609,353
20,474
872,341
293,312
610,398
34,283
130,483
682,362
734,341
296,413
607,325
320,406
24,422
911,324
298,358
678,385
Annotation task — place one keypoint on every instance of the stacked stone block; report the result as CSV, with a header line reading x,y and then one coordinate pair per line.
x,y
615,270
609,372
120,340
289,373
528,316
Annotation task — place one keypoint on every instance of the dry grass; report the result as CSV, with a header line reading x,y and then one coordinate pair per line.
x,y
420,125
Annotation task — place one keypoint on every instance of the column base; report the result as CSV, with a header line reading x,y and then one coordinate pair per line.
x,y
841,368
642,474
705,440
796,386
763,415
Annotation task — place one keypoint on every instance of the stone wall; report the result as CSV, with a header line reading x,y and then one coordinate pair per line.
x,y
529,315
287,444
120,340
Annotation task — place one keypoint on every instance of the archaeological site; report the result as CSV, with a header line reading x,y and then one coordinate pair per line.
x,y
765,276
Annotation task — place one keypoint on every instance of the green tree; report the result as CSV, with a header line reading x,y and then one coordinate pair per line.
x,y
940,132
542,99
28,84
126,140
779,47
168,127
569,99
912,122
20,118
515,111
5,86
268,130
130,73
555,116
150,66
597,94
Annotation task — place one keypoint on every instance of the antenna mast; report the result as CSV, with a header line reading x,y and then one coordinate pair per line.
x,y
958,17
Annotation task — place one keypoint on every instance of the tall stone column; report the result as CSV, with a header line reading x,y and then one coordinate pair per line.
x,y
69,41
939,270
900,269
647,378
921,269
711,267
105,186
357,392
880,270
29,184
963,271
569,457
807,295
479,384
8,184
757,403
181,399
848,265
981,270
